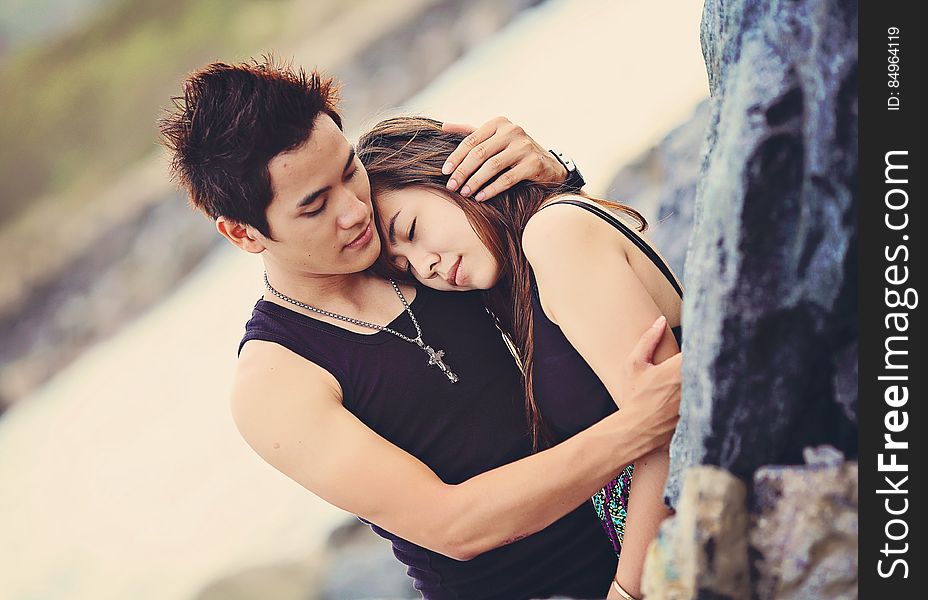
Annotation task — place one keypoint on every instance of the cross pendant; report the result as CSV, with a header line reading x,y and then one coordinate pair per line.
x,y
435,358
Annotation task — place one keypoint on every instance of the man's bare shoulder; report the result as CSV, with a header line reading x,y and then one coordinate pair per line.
x,y
270,367
274,385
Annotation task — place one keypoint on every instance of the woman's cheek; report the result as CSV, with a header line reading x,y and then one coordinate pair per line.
x,y
492,273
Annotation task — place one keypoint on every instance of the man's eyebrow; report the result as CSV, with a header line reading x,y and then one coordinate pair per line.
x,y
350,160
310,198
391,231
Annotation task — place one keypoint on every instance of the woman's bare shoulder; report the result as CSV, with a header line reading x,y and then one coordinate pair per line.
x,y
565,228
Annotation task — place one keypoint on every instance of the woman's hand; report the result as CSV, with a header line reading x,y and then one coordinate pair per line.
x,y
497,146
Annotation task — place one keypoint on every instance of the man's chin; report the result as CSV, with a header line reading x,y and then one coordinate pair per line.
x,y
369,257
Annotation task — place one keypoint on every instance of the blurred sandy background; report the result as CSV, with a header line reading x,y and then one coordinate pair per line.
x,y
122,473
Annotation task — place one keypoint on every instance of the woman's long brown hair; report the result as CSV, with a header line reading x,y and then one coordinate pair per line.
x,y
409,152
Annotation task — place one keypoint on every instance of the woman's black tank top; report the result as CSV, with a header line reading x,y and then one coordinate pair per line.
x,y
458,430
568,393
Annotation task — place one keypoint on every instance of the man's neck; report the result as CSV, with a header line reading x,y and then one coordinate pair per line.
x,y
359,295
318,289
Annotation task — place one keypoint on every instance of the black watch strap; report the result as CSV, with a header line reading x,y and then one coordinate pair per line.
x,y
574,181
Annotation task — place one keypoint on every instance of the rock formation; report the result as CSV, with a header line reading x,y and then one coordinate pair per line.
x,y
770,333
703,551
795,539
769,321
804,530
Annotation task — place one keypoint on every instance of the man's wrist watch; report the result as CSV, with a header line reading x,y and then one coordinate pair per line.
x,y
574,181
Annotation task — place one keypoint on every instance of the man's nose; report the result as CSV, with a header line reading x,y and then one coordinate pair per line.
x,y
354,211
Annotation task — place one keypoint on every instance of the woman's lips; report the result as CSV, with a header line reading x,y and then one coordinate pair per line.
x,y
453,273
363,239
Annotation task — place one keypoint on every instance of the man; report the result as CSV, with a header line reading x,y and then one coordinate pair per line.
x,y
396,403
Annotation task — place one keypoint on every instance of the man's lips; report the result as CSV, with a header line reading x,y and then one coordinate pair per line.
x,y
453,273
362,239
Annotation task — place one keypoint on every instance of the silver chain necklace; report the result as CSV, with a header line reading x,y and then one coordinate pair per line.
x,y
435,356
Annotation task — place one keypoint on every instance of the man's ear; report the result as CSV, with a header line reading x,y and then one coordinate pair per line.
x,y
241,235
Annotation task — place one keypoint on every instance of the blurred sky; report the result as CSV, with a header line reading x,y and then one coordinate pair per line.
x,y
124,476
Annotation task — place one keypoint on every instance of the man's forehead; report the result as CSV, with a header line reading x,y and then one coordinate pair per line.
x,y
326,146
325,133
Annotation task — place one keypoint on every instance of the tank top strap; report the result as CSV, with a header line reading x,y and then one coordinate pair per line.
x,y
627,231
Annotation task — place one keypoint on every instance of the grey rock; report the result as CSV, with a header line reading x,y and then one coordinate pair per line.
x,y
804,533
97,292
823,456
846,382
770,313
362,566
354,564
702,551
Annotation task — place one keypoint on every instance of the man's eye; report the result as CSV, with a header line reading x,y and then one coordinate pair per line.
x,y
317,211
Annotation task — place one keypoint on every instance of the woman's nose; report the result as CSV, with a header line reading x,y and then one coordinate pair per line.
x,y
425,264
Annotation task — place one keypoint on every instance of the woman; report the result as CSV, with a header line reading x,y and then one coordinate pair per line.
x,y
570,291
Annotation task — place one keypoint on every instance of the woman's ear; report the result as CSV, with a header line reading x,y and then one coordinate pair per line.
x,y
240,235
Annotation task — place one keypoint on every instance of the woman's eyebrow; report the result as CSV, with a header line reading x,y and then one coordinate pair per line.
x,y
391,230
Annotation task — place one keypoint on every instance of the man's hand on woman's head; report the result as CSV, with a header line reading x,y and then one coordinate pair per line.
x,y
497,146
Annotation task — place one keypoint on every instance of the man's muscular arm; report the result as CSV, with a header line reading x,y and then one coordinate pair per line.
x,y
289,410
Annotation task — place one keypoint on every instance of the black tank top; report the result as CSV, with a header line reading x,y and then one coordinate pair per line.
x,y
458,430
568,393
